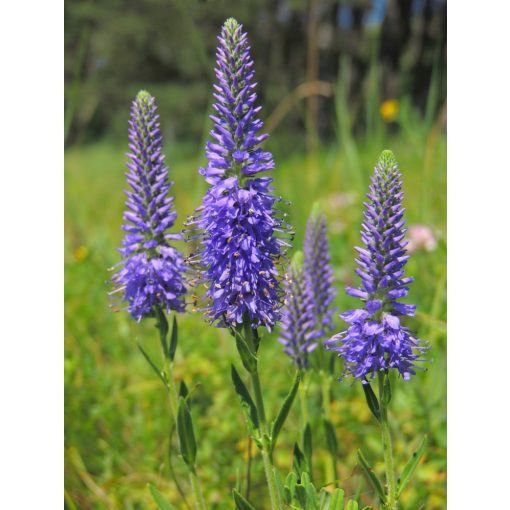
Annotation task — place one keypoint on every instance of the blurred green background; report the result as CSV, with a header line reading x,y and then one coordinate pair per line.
x,y
339,81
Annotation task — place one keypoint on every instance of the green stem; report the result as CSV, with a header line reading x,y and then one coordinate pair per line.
x,y
303,401
173,399
197,490
326,397
274,493
332,472
387,448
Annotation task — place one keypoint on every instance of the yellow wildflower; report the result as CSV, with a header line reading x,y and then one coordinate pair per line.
x,y
389,109
81,253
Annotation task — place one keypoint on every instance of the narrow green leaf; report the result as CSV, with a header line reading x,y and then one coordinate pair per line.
x,y
183,390
312,502
386,395
372,401
246,400
186,434
159,499
241,502
248,358
173,340
352,505
411,465
290,486
376,483
324,499
331,440
307,445
152,364
162,325
299,462
301,495
184,393
284,411
337,500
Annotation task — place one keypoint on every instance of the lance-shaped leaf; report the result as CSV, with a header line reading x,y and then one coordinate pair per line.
x,y
241,502
248,357
173,340
331,440
371,399
184,393
352,505
337,500
245,398
152,364
411,465
376,483
159,499
284,411
299,462
186,434
289,487
386,393
162,326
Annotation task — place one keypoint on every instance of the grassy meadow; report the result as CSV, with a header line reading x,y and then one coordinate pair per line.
x,y
117,423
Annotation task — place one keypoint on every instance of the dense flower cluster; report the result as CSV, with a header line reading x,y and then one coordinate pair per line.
x,y
240,233
318,271
298,332
151,272
376,340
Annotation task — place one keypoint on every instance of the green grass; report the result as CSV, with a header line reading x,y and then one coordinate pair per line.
x,y
116,430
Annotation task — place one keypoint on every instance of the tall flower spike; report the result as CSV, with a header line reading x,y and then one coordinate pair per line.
x,y
241,232
298,332
376,340
318,270
151,273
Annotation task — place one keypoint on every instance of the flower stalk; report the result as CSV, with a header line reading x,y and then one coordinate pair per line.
x,y
173,399
267,458
384,397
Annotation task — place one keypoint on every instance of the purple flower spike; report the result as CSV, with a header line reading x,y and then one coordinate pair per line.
x,y
298,332
151,270
376,339
318,271
237,220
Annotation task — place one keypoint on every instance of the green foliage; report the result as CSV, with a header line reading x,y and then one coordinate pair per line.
x,y
376,483
186,434
284,411
241,502
410,467
159,499
247,402
116,427
372,402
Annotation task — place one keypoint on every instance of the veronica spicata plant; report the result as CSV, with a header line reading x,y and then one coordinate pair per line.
x,y
240,245
151,275
376,340
242,234
319,271
298,331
